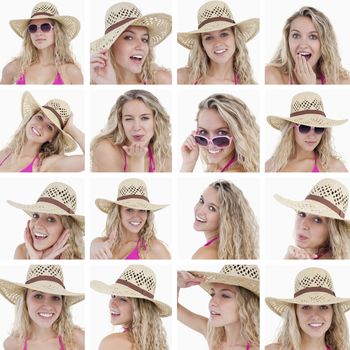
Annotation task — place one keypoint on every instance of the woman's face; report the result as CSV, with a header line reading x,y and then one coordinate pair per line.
x,y
138,122
206,212
40,129
133,220
311,231
120,310
131,49
211,124
45,230
314,320
42,39
219,45
223,306
307,142
304,40
43,308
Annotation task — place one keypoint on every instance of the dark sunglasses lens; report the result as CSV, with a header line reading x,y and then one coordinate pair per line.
x,y
201,140
319,130
45,27
32,28
221,141
304,129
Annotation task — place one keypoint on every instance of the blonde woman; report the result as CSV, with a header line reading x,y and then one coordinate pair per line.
x,y
321,230
125,54
137,137
218,52
308,52
42,316
233,307
133,306
46,57
54,231
314,319
45,134
227,137
225,217
130,229
306,141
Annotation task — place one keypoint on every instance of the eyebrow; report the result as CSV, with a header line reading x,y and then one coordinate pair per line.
x,y
312,32
132,32
218,129
223,290
141,115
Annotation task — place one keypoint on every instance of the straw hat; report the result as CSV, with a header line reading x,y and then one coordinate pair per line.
x,y
246,276
313,286
328,198
58,111
57,198
137,281
132,193
43,10
306,109
216,15
43,278
124,14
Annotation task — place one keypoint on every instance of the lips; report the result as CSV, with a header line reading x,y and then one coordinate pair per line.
x,y
138,137
39,235
200,219
36,131
214,314
307,55
137,58
46,315
219,51
214,151
135,223
115,314
302,238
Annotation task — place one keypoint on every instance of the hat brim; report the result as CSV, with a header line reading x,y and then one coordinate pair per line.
x,y
214,277
249,29
105,205
158,24
309,206
314,120
313,298
121,290
30,106
12,291
71,25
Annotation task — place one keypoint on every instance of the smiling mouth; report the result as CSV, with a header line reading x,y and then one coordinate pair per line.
x,y
45,314
114,314
220,52
135,223
214,314
201,220
214,151
35,131
315,325
136,58
39,235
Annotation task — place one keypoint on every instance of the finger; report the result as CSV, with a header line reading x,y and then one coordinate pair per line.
x,y
102,255
62,240
55,253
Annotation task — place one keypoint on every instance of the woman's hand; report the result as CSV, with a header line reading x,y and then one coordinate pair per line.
x,y
186,279
190,154
303,71
101,248
299,253
136,152
101,69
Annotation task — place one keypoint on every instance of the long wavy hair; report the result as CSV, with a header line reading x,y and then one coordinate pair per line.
x,y
199,62
30,54
286,149
249,320
238,228
243,128
337,336
329,63
339,238
147,234
146,330
75,240
114,132
63,326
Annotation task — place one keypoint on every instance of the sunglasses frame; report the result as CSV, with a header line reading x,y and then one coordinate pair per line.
x,y
210,141
314,128
40,26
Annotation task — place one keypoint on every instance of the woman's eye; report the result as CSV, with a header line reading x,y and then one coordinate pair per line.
x,y
145,40
211,208
128,37
35,215
202,132
225,296
318,220
145,118
305,307
207,38
51,219
295,35
201,200
224,34
57,298
40,117
314,37
38,296
301,214
50,127
222,132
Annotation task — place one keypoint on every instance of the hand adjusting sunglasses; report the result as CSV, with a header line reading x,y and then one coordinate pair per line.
x,y
218,141
44,27
305,129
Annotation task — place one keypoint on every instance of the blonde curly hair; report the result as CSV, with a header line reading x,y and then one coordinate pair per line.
x,y
243,128
199,62
160,143
329,65
249,320
75,241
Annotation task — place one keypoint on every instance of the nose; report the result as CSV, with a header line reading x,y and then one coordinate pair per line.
x,y
213,301
140,44
136,125
305,223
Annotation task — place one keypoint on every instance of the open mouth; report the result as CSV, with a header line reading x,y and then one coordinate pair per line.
x,y
46,315
114,314
136,58
307,55
214,151
214,314
40,235
35,131
138,137
220,51
201,220
315,325
135,223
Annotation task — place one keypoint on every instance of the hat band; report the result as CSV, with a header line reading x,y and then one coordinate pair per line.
x,y
327,203
57,116
56,203
136,196
135,288
118,24
46,278
215,19
313,289
307,111
42,14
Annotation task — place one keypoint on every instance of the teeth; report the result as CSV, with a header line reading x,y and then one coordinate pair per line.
x,y
36,132
315,324
44,314
135,223
138,57
114,313
40,235
214,313
213,151
220,51
200,219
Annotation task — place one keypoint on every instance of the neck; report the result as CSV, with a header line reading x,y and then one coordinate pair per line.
x,y
39,333
219,166
128,236
210,235
46,56
312,343
29,150
233,337
126,77
221,71
301,154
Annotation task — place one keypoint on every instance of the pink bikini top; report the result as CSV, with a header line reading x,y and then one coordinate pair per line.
x,y
322,80
152,163
211,241
58,80
59,340
235,80
28,168
134,254
228,164
315,168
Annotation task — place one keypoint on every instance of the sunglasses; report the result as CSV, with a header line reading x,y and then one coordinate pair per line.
x,y
218,141
305,129
44,27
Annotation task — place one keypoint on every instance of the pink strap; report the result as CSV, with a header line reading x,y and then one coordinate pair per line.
x,y
248,346
228,164
134,254
315,168
152,163
58,79
59,340
211,241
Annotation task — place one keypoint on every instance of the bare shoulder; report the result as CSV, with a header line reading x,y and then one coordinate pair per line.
x,y
71,74
183,75
345,79
21,252
9,72
336,165
210,252
274,346
163,76
79,338
12,343
273,75
158,250
107,157
48,164
115,341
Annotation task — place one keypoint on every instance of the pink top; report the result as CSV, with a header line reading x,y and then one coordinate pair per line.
x,y
315,168
58,80
228,164
134,254
235,80
211,241
152,163
59,340
28,168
